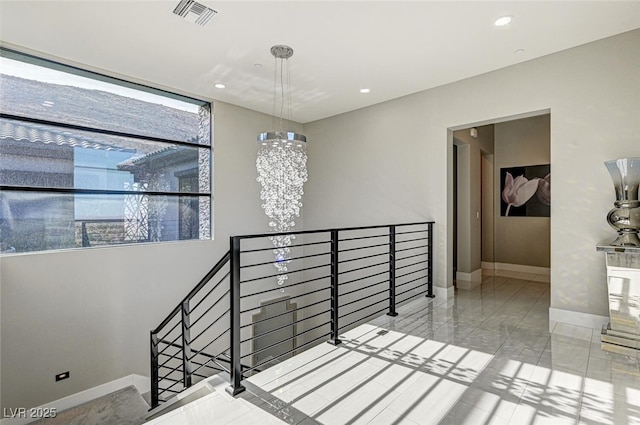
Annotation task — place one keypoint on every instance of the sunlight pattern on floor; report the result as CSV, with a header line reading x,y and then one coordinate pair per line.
x,y
484,357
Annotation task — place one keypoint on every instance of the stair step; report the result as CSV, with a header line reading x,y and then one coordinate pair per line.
x,y
122,407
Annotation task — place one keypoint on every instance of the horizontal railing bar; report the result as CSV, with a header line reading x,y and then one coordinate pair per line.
x,y
168,319
382,235
208,309
411,281
288,286
343,294
286,312
200,352
415,271
209,327
342,229
409,265
248,251
171,330
285,326
362,258
413,247
170,372
422,254
412,231
362,299
413,240
211,290
166,378
363,318
288,272
169,344
215,360
363,278
169,359
384,263
206,364
363,247
409,290
284,340
287,259
281,301
363,308
195,290
287,352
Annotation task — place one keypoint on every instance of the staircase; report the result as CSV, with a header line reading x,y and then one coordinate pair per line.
x,y
123,407
238,320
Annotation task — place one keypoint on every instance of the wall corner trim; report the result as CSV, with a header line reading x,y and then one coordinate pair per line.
x,y
440,292
141,383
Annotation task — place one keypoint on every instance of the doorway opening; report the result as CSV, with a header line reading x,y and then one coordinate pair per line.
x,y
485,240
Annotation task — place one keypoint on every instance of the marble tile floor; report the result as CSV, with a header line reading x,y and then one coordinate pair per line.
x,y
484,357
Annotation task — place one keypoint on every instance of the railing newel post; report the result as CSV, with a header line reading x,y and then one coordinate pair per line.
x,y
235,365
154,370
335,330
392,272
430,261
186,344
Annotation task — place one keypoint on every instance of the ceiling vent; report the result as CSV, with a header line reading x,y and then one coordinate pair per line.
x,y
194,12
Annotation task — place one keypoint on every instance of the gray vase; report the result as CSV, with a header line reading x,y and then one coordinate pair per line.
x,y
625,217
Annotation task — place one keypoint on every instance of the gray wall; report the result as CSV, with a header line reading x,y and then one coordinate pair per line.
x,y
392,161
521,240
488,209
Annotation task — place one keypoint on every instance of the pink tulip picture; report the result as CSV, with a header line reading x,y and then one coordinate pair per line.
x,y
526,191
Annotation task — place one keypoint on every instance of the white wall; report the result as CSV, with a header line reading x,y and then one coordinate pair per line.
x,y
90,311
390,162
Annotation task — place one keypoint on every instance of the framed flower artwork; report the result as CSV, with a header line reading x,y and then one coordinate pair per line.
x,y
525,191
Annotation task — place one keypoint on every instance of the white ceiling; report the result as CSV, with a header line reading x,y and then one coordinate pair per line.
x,y
392,47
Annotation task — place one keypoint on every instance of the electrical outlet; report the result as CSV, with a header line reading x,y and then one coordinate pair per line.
x,y
61,376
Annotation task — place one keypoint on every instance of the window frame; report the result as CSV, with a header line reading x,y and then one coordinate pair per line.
x,y
177,195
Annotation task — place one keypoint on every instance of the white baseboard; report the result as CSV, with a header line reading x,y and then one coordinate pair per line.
x,y
524,269
469,280
440,292
487,265
142,384
585,320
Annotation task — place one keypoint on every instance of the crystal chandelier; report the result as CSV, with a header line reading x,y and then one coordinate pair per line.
x,y
282,169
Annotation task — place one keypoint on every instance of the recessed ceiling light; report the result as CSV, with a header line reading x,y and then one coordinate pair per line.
x,y
518,51
502,21
364,90
257,65
219,85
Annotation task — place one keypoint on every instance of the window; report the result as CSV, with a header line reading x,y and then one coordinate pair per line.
x,y
89,160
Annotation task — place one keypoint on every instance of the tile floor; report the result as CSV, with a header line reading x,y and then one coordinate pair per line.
x,y
484,357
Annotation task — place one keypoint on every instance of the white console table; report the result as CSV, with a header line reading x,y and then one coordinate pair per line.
x,y
622,334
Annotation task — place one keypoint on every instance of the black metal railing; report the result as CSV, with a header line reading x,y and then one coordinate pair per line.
x,y
239,320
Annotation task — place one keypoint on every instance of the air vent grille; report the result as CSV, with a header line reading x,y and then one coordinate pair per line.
x,y
194,12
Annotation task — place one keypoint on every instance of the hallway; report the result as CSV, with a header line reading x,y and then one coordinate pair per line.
x,y
484,357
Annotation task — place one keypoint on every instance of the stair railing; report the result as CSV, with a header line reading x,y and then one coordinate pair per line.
x,y
238,320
